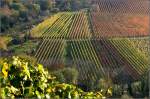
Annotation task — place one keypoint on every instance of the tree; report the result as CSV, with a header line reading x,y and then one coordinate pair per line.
x,y
4,22
63,4
14,17
75,4
33,9
68,75
45,4
23,14
17,6
6,2
16,1
36,8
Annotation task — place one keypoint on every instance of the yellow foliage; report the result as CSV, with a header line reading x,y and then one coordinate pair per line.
x,y
109,91
40,29
4,70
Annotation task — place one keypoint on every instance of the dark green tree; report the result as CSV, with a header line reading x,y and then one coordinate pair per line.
x,y
45,4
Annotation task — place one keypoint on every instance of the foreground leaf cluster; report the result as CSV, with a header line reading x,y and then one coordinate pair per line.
x,y
20,78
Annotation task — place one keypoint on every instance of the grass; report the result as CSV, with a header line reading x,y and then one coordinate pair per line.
x,y
26,47
4,40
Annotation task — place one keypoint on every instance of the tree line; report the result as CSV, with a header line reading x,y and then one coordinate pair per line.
x,y
14,12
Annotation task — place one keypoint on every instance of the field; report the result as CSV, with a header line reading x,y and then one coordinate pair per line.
x,y
119,25
95,44
139,7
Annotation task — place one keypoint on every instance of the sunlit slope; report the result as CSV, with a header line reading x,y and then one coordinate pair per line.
x,y
70,40
71,25
43,27
119,25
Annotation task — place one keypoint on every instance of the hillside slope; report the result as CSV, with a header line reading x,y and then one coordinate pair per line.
x,y
68,39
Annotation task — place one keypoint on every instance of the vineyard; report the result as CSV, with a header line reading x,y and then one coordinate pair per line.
x,y
122,6
142,44
119,25
67,25
120,18
95,44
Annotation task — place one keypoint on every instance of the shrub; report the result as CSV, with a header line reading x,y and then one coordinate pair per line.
x,y
4,40
20,78
59,76
68,75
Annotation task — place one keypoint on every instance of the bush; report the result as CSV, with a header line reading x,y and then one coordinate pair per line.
x,y
4,41
17,6
23,14
21,79
59,76
68,75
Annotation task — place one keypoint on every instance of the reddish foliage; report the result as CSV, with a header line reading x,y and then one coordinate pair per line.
x,y
114,25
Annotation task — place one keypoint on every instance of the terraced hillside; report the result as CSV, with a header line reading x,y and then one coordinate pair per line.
x,y
97,44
